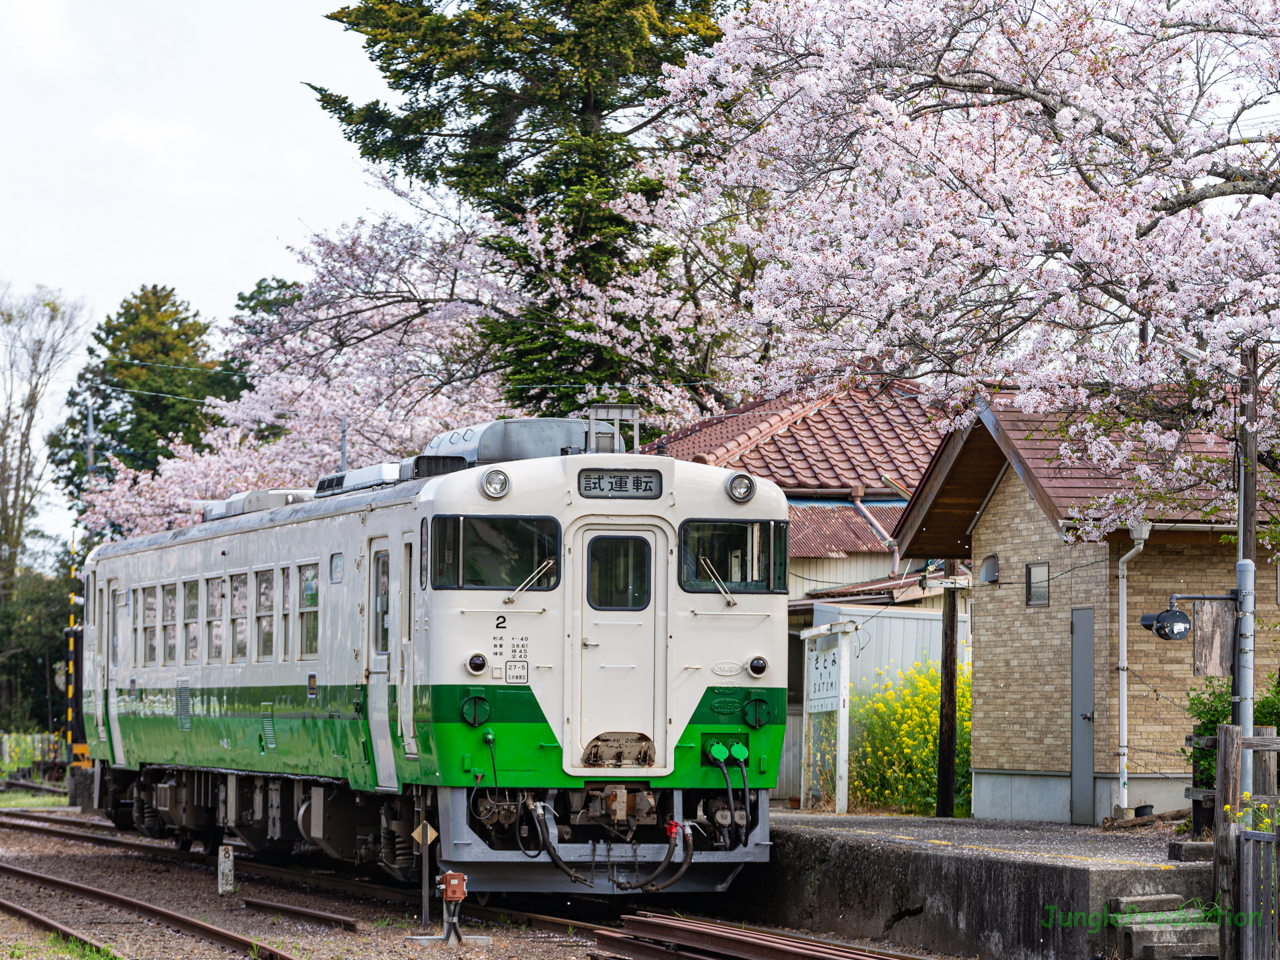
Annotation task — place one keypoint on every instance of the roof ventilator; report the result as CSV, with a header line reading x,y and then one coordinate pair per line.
x,y
378,475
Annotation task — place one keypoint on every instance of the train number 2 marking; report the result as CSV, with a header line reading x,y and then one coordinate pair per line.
x,y
501,624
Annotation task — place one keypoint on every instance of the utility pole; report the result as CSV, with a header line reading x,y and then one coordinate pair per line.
x,y
88,441
1247,552
947,707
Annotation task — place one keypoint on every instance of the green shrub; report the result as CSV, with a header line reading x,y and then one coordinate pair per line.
x,y
1211,705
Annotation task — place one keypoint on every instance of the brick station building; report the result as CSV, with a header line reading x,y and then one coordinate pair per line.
x,y
1045,625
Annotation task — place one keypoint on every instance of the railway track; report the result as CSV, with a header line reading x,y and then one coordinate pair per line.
x,y
196,928
643,936
655,936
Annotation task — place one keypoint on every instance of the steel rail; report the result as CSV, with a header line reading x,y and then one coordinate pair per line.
x,y
196,928
53,926
34,785
650,937
61,821
534,921
101,840
782,935
315,880
316,916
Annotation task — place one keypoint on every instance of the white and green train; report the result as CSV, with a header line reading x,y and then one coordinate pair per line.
x,y
571,665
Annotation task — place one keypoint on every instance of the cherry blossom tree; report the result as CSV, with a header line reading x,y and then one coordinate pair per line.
x,y
1067,206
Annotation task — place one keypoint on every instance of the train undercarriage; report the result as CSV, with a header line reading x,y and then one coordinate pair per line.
x,y
612,837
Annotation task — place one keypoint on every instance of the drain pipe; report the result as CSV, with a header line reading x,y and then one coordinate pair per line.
x,y
880,532
1139,532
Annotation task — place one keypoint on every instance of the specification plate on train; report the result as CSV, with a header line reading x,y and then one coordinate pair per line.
x,y
620,484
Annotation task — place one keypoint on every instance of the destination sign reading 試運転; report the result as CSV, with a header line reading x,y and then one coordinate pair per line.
x,y
620,484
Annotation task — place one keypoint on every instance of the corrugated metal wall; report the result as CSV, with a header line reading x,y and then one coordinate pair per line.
x,y
822,573
891,638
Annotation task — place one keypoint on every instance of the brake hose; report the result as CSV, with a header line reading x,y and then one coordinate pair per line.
x,y
684,865
752,821
563,867
719,753
673,832
739,752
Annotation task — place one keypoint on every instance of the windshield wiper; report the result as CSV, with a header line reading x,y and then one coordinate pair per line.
x,y
724,591
549,562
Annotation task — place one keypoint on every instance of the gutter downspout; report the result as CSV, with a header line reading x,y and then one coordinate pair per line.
x,y
880,532
1139,532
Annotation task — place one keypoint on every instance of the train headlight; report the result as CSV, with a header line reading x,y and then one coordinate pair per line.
x,y
494,484
757,666
741,487
477,663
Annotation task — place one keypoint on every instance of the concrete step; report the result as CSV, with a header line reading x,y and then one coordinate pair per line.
x,y
1157,903
1190,851
1182,937
1170,951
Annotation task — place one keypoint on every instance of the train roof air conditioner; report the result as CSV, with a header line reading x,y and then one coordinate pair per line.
x,y
378,475
251,501
503,440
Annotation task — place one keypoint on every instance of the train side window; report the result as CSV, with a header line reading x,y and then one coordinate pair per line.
x,y
169,621
149,626
213,618
424,563
286,582
781,555
444,551
734,556
191,621
265,608
335,568
382,601
239,617
309,611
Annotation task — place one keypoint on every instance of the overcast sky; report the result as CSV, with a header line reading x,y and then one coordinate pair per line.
x,y
171,143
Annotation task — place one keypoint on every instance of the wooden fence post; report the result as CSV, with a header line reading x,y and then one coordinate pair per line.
x,y
1264,766
1226,850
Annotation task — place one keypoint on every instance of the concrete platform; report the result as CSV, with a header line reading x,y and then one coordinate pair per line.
x,y
986,888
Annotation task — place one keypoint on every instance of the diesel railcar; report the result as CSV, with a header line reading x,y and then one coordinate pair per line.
x,y
521,655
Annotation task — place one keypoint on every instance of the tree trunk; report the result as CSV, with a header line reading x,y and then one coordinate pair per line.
x,y
947,707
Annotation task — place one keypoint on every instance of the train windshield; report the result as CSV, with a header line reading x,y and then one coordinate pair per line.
x,y
743,557
496,553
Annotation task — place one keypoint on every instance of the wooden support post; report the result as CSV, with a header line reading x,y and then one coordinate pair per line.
x,y
1264,767
1226,849
1226,865
947,708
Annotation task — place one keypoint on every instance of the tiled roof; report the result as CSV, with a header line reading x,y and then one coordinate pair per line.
x,y
840,441
968,464
831,529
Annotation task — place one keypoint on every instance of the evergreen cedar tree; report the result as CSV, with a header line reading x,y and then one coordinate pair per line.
x,y
535,110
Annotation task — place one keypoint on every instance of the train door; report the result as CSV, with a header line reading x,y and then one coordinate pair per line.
x,y
119,618
378,653
622,656
408,732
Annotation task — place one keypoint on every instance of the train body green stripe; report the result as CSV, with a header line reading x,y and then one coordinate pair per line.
x,y
280,730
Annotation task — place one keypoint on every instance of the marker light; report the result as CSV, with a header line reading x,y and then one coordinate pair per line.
x,y
477,663
757,666
494,484
741,487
